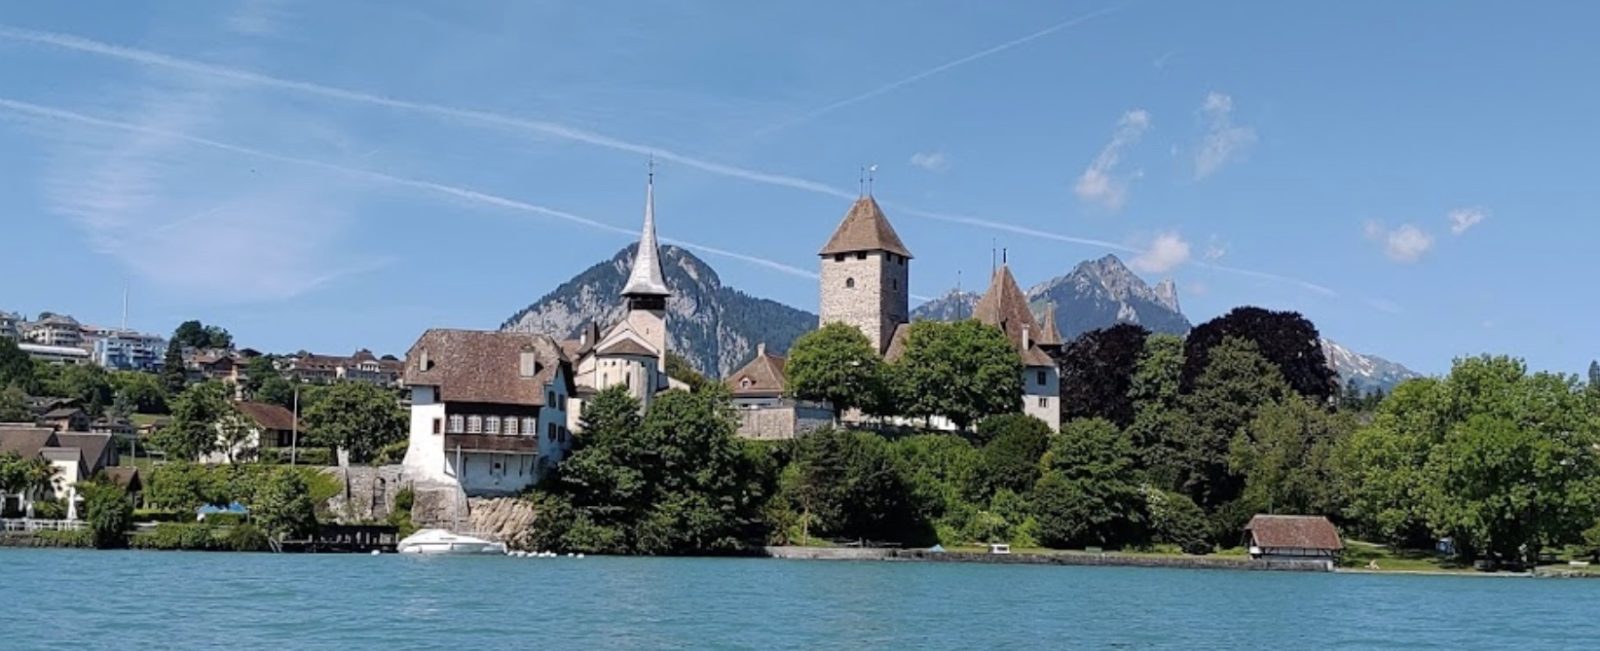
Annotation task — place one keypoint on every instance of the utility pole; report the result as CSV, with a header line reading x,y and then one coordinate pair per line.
x,y
294,433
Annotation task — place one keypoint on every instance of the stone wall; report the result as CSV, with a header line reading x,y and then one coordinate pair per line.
x,y
870,294
1047,558
368,493
506,519
783,421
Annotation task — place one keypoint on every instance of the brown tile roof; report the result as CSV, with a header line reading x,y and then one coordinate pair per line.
x,y
626,346
26,442
897,343
62,412
483,366
93,447
864,228
763,376
1049,334
1294,531
266,415
62,454
1006,307
125,476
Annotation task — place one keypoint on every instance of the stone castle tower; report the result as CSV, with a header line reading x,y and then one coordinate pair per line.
x,y
865,274
646,290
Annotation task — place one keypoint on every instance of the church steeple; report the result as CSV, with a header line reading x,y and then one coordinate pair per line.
x,y
646,278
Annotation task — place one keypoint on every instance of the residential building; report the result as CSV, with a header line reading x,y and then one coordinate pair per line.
x,y
8,325
46,354
362,366
265,426
764,412
73,457
126,350
65,419
213,364
1004,306
488,409
1293,537
866,273
56,330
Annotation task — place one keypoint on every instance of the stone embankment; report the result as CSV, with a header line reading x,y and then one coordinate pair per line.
x,y
1110,559
506,519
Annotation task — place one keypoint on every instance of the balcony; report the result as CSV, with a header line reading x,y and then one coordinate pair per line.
x,y
491,443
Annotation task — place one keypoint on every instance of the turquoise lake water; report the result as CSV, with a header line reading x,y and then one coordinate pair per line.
x,y
61,599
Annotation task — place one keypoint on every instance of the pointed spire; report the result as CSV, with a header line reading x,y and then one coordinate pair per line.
x,y
864,228
1049,334
646,278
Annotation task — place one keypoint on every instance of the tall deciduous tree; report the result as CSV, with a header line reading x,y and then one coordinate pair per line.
x,y
679,368
194,334
193,429
1097,372
14,405
142,391
108,512
1225,398
357,417
1286,339
1157,415
835,364
850,485
16,368
282,505
963,371
1009,460
1286,458
174,377
1090,494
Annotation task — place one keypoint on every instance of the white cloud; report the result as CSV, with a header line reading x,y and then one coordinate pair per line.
x,y
1215,249
933,161
1224,141
1463,219
1407,243
1100,182
1166,251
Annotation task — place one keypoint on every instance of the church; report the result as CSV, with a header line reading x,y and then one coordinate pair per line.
x,y
493,411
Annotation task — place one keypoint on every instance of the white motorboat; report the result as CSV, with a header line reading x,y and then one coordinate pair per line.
x,y
440,541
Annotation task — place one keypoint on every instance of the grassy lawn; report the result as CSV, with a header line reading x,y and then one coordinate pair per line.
x,y
1360,555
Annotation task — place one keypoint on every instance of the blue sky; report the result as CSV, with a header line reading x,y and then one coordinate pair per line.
x,y
1417,178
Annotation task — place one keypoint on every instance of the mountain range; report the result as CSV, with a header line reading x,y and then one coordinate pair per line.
x,y
717,328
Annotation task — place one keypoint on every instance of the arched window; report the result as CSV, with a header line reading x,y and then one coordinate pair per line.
x,y
849,283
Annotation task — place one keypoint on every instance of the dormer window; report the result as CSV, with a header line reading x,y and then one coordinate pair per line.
x,y
861,255
746,383
529,364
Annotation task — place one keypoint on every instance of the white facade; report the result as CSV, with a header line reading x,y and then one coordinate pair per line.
x,y
1041,395
55,354
487,449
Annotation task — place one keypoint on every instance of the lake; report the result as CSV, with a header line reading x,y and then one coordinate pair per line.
x,y
68,599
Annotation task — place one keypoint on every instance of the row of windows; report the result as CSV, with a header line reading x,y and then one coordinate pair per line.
x,y
862,255
506,426
850,283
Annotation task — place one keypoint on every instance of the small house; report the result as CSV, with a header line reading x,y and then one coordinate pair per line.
x,y
1292,537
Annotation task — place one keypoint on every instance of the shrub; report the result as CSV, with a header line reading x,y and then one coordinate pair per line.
x,y
82,538
197,536
162,515
225,519
50,509
391,454
109,513
1177,520
245,538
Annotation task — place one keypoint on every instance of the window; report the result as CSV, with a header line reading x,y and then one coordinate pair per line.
x,y
1044,402
1041,377
530,426
511,426
550,398
564,435
551,434
474,424
456,424
861,255
838,257
438,424
491,425
849,283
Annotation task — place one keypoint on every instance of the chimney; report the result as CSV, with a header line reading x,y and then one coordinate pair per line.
x,y
761,349
530,364
1027,339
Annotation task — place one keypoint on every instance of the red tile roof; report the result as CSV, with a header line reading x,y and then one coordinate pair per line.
x,y
1294,531
763,376
267,415
1006,307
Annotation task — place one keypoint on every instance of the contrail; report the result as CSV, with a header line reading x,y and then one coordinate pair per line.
x,y
457,192
551,129
891,86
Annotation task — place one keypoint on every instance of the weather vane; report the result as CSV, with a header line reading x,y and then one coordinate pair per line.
x,y
872,171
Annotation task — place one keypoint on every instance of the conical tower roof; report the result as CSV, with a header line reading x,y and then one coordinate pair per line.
x,y
646,278
1006,307
1049,334
865,228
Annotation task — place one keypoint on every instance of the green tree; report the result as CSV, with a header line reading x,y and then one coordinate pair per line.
x,y
193,429
30,475
1236,383
283,507
940,470
679,368
1089,494
14,405
962,371
278,391
174,376
850,485
257,372
1177,520
1097,373
1157,414
1381,465
1010,458
89,384
108,511
835,364
194,334
675,482
1286,458
16,368
356,416
141,391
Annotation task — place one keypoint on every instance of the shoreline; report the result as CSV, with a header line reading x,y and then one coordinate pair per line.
x,y
1068,558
